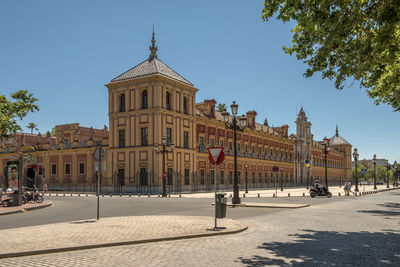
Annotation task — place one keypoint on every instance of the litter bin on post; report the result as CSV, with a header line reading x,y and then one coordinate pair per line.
x,y
221,205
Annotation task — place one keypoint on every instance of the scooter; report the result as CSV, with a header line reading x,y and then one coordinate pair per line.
x,y
5,199
319,192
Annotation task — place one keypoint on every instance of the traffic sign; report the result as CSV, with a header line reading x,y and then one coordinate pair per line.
x,y
275,169
99,153
363,171
164,175
216,154
307,161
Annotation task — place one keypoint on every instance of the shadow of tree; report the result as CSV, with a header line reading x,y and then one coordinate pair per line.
x,y
390,213
317,248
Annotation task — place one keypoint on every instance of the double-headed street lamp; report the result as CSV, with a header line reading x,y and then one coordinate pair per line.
x,y
387,174
236,125
374,161
355,155
326,150
164,151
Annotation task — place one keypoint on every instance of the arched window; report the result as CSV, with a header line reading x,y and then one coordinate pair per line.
x,y
185,105
168,100
144,99
122,103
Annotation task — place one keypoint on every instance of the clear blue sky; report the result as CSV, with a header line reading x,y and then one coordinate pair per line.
x,y
65,51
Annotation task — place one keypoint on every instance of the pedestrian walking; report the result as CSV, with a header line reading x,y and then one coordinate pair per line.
x,y
45,188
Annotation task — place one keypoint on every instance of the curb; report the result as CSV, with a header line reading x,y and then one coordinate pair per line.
x,y
114,244
27,209
268,206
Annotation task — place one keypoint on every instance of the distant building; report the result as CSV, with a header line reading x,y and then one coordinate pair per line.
x,y
381,162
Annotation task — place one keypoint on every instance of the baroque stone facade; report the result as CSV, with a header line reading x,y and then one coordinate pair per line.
x,y
151,101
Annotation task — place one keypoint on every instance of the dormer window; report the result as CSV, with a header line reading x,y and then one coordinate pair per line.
x,y
144,99
168,100
185,105
122,103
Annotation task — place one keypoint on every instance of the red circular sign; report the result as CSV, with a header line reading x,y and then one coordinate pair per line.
x,y
164,175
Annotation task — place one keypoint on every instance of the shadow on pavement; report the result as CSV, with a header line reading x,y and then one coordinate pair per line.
x,y
320,248
386,213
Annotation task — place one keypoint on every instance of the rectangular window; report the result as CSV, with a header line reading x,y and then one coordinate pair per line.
x,y
185,139
259,178
238,176
221,143
238,147
245,148
169,176
121,138
201,176
187,177
40,171
230,146
81,168
211,142
201,141
253,177
144,136
169,136
212,174
222,177
68,169
272,156
253,150
54,169
121,177
266,178
230,177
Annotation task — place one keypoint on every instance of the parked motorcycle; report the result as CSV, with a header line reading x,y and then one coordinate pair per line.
x,y
34,196
5,198
323,191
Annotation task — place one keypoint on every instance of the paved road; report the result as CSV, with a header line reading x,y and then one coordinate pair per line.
x,y
81,208
352,232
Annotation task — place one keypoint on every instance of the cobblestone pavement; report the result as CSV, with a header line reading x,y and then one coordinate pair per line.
x,y
109,230
354,232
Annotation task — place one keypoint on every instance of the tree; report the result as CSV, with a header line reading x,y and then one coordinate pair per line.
x,y
345,39
32,126
21,104
221,107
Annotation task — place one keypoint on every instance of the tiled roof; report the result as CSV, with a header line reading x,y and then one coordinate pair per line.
x,y
151,67
338,140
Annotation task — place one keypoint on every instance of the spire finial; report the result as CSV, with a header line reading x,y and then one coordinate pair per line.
x,y
337,130
153,47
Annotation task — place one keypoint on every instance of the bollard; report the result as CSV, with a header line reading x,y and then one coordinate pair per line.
x,y
158,195
120,195
180,195
339,194
139,195
230,195
87,194
244,195
148,195
169,195
304,194
129,195
110,195
101,195
79,195
49,195
273,195
64,195
71,195
258,195
288,194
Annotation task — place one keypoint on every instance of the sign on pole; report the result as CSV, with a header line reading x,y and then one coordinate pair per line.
x,y
275,169
216,155
363,171
99,153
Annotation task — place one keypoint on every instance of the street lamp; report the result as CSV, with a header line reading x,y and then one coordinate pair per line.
x,y
355,155
374,161
326,151
164,151
387,174
246,167
237,125
396,170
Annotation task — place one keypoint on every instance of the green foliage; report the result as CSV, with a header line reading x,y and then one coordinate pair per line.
x,y
345,39
221,107
23,103
32,126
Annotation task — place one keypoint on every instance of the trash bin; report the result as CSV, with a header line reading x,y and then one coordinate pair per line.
x,y
221,205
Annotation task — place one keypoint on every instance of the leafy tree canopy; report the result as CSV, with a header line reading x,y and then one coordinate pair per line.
x,y
21,104
343,39
221,107
32,126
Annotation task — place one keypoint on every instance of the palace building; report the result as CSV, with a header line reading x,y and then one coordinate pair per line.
x,y
151,101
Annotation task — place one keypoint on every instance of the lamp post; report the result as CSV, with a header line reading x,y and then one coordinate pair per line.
x,y
387,174
326,151
374,161
236,125
355,155
246,167
163,151
396,171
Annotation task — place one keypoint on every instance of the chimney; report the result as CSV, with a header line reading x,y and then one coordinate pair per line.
x,y
210,107
251,119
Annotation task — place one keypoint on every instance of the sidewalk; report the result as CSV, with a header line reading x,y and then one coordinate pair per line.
x,y
108,232
24,208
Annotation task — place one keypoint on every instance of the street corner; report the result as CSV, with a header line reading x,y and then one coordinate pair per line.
x,y
24,208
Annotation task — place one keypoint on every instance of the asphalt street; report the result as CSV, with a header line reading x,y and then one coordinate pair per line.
x,y
81,208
